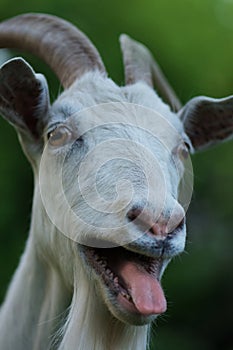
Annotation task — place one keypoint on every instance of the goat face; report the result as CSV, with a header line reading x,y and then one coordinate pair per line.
x,y
108,163
113,171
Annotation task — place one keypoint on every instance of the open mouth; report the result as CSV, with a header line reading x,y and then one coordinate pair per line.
x,y
132,279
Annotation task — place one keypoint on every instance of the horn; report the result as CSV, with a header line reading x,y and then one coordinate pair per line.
x,y
67,51
140,66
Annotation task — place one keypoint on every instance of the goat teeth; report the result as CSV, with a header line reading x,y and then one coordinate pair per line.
x,y
125,295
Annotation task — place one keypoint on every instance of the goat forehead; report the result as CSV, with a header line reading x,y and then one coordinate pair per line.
x,y
121,120
100,102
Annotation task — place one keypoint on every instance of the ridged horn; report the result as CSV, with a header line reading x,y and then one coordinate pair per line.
x,y
140,65
67,51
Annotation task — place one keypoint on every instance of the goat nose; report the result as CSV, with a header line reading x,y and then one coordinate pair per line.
x,y
160,227
143,219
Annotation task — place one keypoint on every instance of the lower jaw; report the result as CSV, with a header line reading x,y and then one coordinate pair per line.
x,y
123,309
129,314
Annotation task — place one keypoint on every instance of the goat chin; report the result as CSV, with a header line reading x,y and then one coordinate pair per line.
x,y
90,325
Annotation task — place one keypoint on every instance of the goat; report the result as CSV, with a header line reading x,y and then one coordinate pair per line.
x,y
107,162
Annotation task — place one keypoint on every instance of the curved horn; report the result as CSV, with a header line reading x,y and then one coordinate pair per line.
x,y
140,65
61,45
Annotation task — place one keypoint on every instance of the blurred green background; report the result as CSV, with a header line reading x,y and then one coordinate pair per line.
x,y
193,42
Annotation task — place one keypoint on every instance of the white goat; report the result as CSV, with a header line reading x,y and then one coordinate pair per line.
x,y
89,278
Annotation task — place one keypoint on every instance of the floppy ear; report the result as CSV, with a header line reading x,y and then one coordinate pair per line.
x,y
208,121
24,100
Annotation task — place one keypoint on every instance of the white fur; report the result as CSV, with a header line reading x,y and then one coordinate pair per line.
x,y
54,302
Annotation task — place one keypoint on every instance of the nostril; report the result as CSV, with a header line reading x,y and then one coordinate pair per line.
x,y
133,213
141,218
181,224
178,228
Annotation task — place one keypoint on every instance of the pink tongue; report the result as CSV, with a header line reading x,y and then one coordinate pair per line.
x,y
145,290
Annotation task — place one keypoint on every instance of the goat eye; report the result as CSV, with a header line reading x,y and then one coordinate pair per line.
x,y
59,136
183,150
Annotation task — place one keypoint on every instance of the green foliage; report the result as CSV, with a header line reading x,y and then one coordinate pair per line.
x,y
192,40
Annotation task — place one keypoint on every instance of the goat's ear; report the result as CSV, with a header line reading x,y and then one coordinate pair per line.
x,y
208,121
24,99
